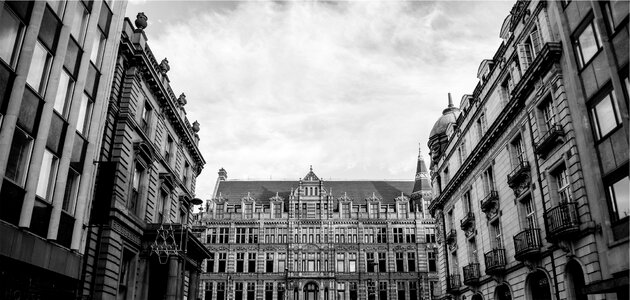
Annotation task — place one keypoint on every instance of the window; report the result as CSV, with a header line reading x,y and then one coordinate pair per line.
x,y
410,235
401,290
210,263
528,50
481,126
353,291
615,11
277,210
413,290
168,148
222,262
58,6
71,191
382,295
340,262
352,260
530,213
548,114
220,290
586,44
488,180
85,112
495,234
185,179
240,235
91,81
240,262
467,202
370,262
411,261
563,188
64,94
400,262
11,33
224,235
251,263
472,251
98,48
238,290
162,199
146,118
136,178
430,235
39,69
432,261
268,290
47,175
79,23
381,236
341,291
19,157
382,262
208,291
269,263
518,150
605,115
398,235
125,278
619,195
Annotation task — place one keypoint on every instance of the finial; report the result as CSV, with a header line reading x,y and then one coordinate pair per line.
x,y
195,126
311,168
182,99
141,21
450,100
164,66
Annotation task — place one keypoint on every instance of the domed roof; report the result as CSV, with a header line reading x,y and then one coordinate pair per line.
x,y
449,115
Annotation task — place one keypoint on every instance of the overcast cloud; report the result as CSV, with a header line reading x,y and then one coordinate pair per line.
x,y
349,87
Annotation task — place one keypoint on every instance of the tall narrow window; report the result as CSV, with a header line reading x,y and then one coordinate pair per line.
x,y
518,150
19,157
586,44
548,114
251,291
481,125
136,178
64,94
210,262
382,290
496,236
222,262
269,263
561,177
352,262
400,287
340,262
413,290
430,235
161,203
411,261
432,261
238,290
488,180
240,262
619,195
125,275
11,33
98,49
398,235
79,24
370,262
605,115
382,262
530,214
40,66
47,175
467,202
251,262
268,290
168,148
71,191
85,111
146,117
220,290
400,262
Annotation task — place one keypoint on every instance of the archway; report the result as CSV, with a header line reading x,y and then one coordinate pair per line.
x,y
476,297
502,292
575,281
537,286
310,291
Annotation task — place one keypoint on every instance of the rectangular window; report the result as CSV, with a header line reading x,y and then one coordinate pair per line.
x,y
400,262
530,213
40,66
168,148
430,235
495,234
382,288
79,23
268,290
548,114
251,262
220,290
19,157
136,178
518,150
240,262
238,290
11,34
269,263
467,202
251,291
240,235
224,235
411,261
341,291
146,117
47,176
619,195
605,115
400,287
563,188
160,206
58,6
488,180
586,44
208,291
481,125
85,113
413,291
282,257
472,251
222,262
370,262
398,235
352,260
354,294
382,262
381,236
210,263
125,279
64,94
98,49
71,192
432,261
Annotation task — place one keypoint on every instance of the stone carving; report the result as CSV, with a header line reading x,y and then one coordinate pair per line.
x,y
195,127
141,21
164,66
182,100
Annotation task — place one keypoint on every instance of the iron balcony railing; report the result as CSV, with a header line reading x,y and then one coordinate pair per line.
x,y
527,243
562,220
451,236
488,201
467,221
454,283
495,261
471,274
516,173
548,140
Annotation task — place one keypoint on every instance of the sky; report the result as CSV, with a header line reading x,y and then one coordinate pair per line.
x,y
352,88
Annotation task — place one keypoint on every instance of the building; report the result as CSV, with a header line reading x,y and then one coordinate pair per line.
x,y
316,239
530,173
56,66
139,242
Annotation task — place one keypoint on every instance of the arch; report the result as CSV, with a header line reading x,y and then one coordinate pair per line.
x,y
537,286
476,297
311,291
503,292
574,281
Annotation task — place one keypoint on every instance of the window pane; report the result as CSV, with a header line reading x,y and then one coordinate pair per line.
x,y
73,58
38,72
105,19
620,194
49,30
10,35
19,155
97,50
70,194
6,80
79,23
606,117
21,8
78,153
30,111
58,6
588,44
48,171
56,134
91,82
85,109
64,93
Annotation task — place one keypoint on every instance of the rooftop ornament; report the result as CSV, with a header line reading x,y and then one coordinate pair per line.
x,y
182,99
164,66
141,21
195,126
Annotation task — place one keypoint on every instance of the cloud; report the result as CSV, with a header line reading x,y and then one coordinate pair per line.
x,y
349,87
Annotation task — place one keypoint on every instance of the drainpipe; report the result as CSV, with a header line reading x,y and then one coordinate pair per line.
x,y
446,254
553,261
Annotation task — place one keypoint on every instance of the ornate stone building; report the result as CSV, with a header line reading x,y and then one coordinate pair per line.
x,y
139,243
56,65
316,239
530,173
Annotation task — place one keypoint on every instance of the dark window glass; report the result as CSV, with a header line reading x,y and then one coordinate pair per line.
x,y
78,153
88,4
29,117
73,58
49,30
57,133
6,80
11,31
41,218
21,8
105,19
91,82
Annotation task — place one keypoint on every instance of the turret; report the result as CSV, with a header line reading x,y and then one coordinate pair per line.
x,y
422,185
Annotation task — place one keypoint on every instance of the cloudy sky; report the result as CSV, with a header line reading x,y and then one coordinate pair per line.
x,y
348,87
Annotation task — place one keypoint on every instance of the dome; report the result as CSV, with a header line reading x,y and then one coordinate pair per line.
x,y
449,115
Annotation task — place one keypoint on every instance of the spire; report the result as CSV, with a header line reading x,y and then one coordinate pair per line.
x,y
450,100
422,182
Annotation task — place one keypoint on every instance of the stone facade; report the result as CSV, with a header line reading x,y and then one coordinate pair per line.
x,y
295,240
56,61
139,243
531,179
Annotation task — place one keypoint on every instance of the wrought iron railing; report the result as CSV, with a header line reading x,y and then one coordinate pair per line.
x,y
471,274
527,243
545,142
467,221
517,172
488,200
562,219
454,283
495,261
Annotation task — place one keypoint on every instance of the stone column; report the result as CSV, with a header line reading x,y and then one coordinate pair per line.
x,y
173,276
193,285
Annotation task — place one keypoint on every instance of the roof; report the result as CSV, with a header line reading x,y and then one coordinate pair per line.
x,y
357,190
449,115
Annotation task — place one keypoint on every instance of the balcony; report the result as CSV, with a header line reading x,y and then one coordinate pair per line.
x,y
468,224
453,283
490,205
562,221
519,179
549,140
527,244
451,236
495,261
471,274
